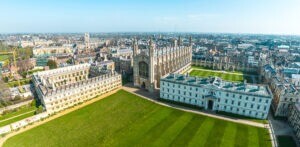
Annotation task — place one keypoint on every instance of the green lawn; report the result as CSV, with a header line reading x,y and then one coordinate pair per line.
x,y
263,121
16,83
124,119
225,76
17,115
18,112
4,57
207,68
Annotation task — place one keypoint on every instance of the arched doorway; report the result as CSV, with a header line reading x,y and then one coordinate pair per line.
x,y
210,104
143,85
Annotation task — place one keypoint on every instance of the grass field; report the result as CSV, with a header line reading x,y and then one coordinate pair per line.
x,y
16,83
16,116
201,67
263,121
235,77
4,57
124,119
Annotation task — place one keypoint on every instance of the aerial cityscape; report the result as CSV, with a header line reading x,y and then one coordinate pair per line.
x,y
154,73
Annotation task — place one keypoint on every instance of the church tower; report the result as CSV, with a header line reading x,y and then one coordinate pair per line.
x,y
87,41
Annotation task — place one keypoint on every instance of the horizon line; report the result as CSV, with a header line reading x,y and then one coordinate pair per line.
x,y
179,32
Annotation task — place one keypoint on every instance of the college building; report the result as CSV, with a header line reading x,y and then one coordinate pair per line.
x,y
294,119
153,60
215,94
64,87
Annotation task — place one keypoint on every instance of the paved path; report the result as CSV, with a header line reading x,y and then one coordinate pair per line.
x,y
64,112
17,116
153,98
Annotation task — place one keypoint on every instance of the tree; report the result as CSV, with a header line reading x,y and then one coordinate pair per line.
x,y
4,91
17,97
70,61
24,66
5,79
52,64
39,109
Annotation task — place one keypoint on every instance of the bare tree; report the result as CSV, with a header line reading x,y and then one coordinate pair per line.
x,y
4,91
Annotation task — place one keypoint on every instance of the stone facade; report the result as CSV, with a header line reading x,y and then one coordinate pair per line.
x,y
215,94
285,93
154,62
64,87
294,119
224,63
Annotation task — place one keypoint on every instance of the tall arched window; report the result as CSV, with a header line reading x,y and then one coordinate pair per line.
x,y
143,69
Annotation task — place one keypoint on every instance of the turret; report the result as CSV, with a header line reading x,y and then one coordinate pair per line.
x,y
135,47
179,41
151,67
151,48
175,43
190,41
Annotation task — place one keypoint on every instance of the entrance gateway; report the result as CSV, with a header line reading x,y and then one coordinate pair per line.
x,y
210,104
143,86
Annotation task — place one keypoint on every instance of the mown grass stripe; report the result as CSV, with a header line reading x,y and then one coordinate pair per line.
x,y
218,130
160,127
188,131
168,135
264,137
229,135
200,138
109,135
137,131
253,136
241,137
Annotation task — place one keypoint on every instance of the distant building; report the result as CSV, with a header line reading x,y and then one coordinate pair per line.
x,y
42,42
87,41
218,95
122,52
252,61
102,67
27,43
244,46
64,87
66,49
42,60
123,65
284,91
296,79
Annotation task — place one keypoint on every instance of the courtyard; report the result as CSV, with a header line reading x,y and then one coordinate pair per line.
x,y
225,75
124,119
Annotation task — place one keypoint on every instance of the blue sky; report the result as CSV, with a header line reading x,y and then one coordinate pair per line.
x,y
229,16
